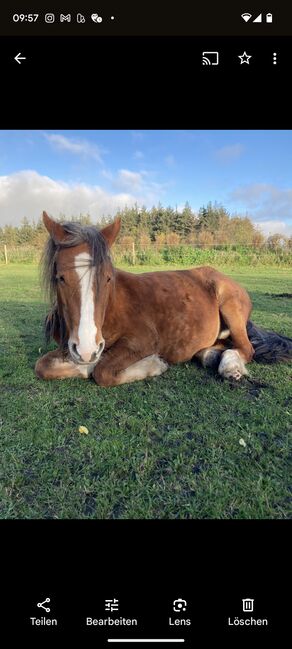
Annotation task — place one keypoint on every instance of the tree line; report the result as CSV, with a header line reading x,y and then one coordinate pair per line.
x,y
212,225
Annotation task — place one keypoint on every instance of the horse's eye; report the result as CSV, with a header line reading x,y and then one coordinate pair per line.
x,y
108,279
61,279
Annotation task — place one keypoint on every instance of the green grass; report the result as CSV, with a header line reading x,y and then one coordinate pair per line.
x,y
168,447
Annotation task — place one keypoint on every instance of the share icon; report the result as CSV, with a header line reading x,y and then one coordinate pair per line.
x,y
41,605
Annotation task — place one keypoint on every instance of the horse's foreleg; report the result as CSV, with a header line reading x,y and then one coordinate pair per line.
x,y
235,314
53,365
210,356
123,365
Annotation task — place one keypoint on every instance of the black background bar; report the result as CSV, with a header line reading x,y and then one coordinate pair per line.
x,y
154,17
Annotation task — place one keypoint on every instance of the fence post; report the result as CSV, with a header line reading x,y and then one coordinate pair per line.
x,y
5,253
133,253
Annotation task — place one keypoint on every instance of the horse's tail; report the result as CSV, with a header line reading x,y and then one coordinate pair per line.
x,y
269,346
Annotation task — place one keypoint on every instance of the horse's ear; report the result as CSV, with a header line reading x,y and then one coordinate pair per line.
x,y
111,231
56,230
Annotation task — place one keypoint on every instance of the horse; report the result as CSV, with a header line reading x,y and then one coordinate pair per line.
x,y
120,327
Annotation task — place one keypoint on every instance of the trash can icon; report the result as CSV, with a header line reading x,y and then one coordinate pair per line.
x,y
247,605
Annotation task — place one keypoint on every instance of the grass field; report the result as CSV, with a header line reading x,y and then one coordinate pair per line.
x,y
183,445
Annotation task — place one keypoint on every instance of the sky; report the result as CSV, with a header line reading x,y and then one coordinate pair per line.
x,y
98,172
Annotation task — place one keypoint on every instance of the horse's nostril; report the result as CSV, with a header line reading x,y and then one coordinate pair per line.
x,y
97,352
100,347
74,349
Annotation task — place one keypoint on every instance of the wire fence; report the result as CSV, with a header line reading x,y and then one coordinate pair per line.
x,y
160,253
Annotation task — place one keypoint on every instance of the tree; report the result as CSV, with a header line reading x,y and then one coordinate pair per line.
x,y
258,239
144,239
289,243
185,222
26,231
158,221
276,241
241,230
205,239
172,238
211,217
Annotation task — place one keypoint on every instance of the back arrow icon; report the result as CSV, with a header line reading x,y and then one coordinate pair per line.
x,y
19,58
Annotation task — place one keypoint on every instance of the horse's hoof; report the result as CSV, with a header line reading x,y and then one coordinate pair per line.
x,y
232,366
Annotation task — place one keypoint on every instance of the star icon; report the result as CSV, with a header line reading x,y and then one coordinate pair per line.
x,y
244,58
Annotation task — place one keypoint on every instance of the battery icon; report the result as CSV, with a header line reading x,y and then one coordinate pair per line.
x,y
269,18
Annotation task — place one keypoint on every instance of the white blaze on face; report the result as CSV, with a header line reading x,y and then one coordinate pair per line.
x,y
87,329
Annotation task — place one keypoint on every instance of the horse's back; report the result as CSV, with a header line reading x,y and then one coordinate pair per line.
x,y
206,279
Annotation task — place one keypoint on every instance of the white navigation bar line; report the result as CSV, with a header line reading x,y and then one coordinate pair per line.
x,y
145,639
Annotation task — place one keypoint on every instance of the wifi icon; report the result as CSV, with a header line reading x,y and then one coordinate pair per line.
x,y
246,17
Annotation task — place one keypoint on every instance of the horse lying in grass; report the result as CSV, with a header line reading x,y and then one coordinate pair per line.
x,y
120,327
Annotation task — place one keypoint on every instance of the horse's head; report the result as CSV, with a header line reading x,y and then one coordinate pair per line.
x,y
79,272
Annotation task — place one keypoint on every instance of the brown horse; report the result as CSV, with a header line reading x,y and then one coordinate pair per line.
x,y
121,327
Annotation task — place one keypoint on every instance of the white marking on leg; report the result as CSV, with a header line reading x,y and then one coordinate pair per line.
x,y
146,367
69,368
87,327
225,333
209,357
232,365
86,370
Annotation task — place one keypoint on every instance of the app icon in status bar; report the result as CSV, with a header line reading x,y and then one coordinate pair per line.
x,y
49,18
80,18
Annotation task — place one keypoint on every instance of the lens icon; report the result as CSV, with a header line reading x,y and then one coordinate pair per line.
x,y
96,18
50,18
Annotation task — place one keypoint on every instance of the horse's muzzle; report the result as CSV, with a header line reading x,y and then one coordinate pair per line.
x,y
90,360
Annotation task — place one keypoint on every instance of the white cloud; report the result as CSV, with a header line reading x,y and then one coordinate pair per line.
x,y
266,202
273,227
139,183
132,180
27,193
251,195
75,146
229,153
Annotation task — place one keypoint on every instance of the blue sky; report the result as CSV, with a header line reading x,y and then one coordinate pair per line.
x,y
69,172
